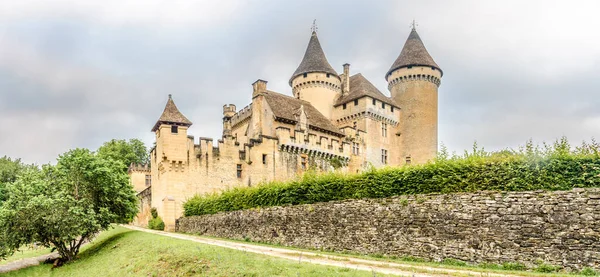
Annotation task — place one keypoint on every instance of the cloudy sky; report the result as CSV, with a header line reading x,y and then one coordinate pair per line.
x,y
78,73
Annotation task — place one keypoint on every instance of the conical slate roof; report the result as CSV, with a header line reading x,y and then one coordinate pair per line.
x,y
171,115
413,54
314,59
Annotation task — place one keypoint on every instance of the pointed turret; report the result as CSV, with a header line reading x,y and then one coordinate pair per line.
x,y
414,53
314,60
315,80
172,116
413,81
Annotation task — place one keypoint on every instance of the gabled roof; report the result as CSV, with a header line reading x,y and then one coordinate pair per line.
x,y
361,87
314,59
171,115
414,53
285,107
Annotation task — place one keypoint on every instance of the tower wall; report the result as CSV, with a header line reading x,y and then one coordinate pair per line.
x,y
415,89
318,89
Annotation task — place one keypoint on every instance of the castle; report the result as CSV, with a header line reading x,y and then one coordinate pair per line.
x,y
332,121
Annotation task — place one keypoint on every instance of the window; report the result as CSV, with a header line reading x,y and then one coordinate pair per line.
x,y
382,105
374,102
264,158
356,102
384,156
328,75
344,106
148,180
304,75
239,171
384,129
408,160
392,108
242,155
354,126
303,162
174,130
355,148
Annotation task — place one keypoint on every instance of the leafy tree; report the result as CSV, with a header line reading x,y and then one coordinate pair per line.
x,y
65,205
132,151
9,169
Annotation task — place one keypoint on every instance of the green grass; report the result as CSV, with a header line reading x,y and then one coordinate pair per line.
x,y
506,268
123,252
25,252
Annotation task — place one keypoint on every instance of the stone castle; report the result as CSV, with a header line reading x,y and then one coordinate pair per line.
x,y
332,122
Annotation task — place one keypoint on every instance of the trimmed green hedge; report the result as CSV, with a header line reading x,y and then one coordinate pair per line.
x,y
501,171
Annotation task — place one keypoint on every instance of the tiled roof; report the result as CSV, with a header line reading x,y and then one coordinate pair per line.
x,y
171,115
413,53
314,59
284,107
361,87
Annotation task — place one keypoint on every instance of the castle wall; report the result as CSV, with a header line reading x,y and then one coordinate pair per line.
x,y
559,227
144,206
416,91
137,179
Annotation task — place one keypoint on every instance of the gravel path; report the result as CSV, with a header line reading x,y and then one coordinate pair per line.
x,y
330,260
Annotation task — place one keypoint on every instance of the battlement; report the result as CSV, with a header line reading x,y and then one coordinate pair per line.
x,y
241,115
138,168
229,109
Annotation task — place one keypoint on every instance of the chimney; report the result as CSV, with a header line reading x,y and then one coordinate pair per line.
x,y
258,87
346,81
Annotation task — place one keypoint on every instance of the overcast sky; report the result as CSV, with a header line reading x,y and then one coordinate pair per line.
x,y
78,73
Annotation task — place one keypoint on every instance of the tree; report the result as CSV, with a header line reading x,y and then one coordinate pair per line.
x,y
132,151
65,205
9,169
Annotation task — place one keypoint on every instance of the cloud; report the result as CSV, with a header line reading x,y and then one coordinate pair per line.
x,y
78,73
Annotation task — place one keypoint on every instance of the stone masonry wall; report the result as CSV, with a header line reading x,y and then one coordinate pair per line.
x,y
560,228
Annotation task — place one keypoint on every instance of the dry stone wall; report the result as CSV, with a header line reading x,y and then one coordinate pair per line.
x,y
560,228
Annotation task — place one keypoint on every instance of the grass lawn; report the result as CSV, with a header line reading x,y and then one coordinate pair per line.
x,y
25,252
123,252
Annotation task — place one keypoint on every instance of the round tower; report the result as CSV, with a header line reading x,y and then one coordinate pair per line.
x,y
413,81
315,80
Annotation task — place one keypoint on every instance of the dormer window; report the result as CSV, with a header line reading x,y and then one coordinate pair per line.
x,y
174,130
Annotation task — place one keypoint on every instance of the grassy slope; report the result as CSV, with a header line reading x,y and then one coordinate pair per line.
x,y
122,252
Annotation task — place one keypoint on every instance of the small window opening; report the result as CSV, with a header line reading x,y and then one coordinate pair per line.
x,y
303,163
408,160
384,129
384,156
328,75
239,171
174,130
382,105
264,158
148,180
304,75
344,106
374,102
392,108
242,155
356,102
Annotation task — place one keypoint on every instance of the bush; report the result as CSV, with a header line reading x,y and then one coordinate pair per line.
x,y
156,224
513,266
552,167
154,213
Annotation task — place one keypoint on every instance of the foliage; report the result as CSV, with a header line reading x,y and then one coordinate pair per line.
x,y
588,272
65,205
9,170
550,167
547,268
156,224
128,152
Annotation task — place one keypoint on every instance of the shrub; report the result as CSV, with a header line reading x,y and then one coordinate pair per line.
x,y
551,167
154,213
156,224
513,266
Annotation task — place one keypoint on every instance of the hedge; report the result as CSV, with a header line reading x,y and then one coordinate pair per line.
x,y
555,169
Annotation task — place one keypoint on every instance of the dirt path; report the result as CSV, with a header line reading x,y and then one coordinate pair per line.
x,y
331,260
27,262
